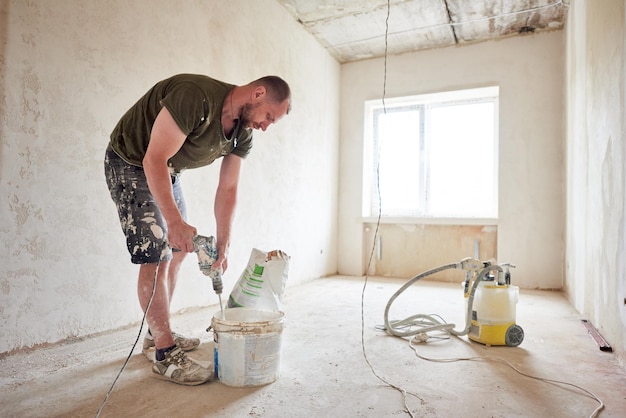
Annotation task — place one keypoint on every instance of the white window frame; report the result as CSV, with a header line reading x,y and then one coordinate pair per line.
x,y
467,95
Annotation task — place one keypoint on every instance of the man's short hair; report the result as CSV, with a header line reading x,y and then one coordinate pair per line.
x,y
277,89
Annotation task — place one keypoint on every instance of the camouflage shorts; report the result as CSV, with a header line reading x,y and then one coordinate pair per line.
x,y
140,216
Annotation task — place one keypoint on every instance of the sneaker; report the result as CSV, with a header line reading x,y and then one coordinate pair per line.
x,y
178,368
185,344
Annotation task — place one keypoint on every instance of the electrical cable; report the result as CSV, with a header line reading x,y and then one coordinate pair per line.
x,y
429,323
506,362
398,388
143,319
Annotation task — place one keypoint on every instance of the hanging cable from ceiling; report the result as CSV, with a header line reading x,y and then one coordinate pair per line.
x,y
371,257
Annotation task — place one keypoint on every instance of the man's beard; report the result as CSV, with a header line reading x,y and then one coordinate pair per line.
x,y
247,112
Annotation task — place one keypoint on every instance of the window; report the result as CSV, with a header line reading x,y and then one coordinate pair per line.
x,y
432,155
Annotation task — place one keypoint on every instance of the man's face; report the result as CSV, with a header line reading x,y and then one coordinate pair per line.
x,y
261,114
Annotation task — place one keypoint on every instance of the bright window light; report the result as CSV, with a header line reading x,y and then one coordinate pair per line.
x,y
433,155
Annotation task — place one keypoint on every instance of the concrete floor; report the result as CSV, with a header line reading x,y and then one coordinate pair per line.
x,y
323,368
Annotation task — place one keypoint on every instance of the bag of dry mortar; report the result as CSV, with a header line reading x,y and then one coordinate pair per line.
x,y
262,283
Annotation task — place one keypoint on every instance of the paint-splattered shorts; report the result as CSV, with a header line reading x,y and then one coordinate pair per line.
x,y
140,217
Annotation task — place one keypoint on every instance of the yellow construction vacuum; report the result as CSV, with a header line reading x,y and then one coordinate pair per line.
x,y
490,303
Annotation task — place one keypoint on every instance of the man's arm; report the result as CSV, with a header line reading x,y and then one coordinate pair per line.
x,y
225,203
165,141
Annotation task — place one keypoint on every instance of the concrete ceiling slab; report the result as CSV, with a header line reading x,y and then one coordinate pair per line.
x,y
353,30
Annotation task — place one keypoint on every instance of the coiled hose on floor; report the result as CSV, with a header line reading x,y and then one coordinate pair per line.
x,y
423,324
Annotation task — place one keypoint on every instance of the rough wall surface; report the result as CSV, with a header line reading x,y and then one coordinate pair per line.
x,y
596,166
68,71
529,71
408,250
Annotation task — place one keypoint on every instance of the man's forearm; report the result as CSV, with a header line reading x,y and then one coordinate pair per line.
x,y
225,204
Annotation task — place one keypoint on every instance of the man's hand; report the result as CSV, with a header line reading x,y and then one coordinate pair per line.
x,y
222,262
180,236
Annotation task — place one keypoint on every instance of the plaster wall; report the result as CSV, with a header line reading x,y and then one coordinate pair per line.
x,y
398,247
69,69
596,166
529,71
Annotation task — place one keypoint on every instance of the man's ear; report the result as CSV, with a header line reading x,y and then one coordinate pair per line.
x,y
258,93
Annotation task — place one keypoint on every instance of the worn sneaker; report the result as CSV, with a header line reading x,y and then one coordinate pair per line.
x,y
186,344
178,368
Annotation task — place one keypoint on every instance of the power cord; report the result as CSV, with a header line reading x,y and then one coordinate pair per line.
x,y
396,387
420,327
143,320
422,338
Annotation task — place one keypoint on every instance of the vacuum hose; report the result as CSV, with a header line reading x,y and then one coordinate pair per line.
x,y
427,323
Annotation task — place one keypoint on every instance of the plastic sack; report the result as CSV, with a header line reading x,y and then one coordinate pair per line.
x,y
262,283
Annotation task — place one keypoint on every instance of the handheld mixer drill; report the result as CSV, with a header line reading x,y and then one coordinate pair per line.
x,y
206,250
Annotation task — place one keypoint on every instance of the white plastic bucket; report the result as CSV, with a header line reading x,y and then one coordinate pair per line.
x,y
247,346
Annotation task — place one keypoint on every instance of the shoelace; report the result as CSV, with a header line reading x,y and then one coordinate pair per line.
x,y
181,360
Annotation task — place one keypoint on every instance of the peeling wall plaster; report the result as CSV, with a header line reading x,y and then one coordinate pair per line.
x,y
68,71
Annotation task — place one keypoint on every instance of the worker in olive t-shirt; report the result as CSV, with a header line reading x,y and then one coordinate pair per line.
x,y
183,122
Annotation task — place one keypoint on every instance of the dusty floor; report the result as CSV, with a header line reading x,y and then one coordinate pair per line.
x,y
323,369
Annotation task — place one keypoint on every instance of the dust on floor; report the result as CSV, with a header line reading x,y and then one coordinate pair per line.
x,y
324,371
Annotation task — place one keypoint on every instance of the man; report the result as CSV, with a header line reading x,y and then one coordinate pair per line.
x,y
183,122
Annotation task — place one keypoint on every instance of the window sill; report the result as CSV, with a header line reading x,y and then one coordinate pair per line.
x,y
430,221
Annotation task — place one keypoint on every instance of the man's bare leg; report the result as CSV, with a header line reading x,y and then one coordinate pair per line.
x,y
167,276
172,364
158,316
172,272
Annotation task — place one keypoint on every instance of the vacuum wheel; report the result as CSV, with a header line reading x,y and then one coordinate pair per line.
x,y
514,336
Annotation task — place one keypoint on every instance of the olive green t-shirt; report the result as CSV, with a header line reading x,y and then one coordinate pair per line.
x,y
195,102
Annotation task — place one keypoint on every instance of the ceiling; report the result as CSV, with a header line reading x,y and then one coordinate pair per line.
x,y
353,30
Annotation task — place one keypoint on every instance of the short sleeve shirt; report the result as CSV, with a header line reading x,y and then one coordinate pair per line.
x,y
195,103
